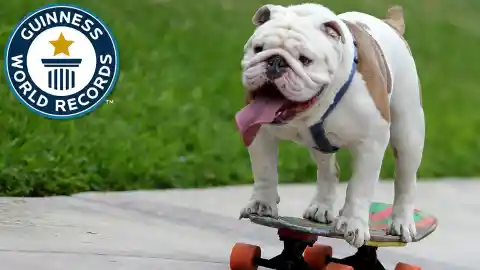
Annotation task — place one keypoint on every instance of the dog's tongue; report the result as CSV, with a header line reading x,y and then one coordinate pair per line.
x,y
251,117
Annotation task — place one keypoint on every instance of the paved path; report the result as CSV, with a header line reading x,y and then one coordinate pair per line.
x,y
195,229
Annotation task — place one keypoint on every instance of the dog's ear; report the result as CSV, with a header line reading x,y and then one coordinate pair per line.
x,y
333,29
262,15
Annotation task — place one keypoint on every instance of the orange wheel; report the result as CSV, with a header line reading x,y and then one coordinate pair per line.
x,y
242,256
316,256
404,266
336,266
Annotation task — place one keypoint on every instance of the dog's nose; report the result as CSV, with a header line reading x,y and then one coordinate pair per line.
x,y
276,66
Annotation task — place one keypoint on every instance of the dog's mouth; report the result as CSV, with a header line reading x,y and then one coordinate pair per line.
x,y
268,91
268,105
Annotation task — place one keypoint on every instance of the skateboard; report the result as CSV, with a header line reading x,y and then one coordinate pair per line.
x,y
301,253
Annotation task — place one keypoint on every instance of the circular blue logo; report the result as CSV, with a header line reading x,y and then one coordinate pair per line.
x,y
61,61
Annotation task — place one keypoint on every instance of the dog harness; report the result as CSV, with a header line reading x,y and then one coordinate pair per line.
x,y
317,130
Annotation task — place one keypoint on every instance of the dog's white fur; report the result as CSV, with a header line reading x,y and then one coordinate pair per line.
x,y
355,123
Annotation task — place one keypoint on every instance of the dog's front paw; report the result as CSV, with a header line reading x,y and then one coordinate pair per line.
x,y
320,212
261,208
402,224
354,229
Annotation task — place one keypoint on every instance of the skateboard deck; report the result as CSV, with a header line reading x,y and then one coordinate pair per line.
x,y
380,216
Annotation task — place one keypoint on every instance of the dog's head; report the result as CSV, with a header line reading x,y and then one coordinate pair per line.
x,y
292,55
293,52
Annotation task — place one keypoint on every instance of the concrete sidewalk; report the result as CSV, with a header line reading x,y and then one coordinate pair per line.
x,y
195,229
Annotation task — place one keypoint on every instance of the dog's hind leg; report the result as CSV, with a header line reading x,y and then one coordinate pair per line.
x,y
407,140
321,207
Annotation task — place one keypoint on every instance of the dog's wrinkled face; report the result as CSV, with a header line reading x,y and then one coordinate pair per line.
x,y
293,52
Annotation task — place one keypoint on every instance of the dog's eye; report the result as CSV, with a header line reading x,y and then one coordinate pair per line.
x,y
258,49
305,61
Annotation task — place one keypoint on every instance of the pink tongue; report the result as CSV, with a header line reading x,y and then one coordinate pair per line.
x,y
252,116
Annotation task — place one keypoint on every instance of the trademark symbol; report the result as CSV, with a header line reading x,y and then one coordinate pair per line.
x,y
110,101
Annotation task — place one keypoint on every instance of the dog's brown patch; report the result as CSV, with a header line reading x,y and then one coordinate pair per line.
x,y
395,20
373,67
382,62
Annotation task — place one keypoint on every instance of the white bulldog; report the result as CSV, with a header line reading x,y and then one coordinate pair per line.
x,y
328,81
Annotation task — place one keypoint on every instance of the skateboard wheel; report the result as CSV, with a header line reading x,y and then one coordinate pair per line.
x,y
243,255
404,266
316,256
336,266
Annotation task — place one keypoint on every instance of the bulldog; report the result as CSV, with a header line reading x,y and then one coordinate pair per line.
x,y
328,81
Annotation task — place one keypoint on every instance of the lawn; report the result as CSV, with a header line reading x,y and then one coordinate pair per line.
x,y
171,123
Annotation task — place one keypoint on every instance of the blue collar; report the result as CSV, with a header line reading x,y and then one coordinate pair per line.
x,y
317,130
345,86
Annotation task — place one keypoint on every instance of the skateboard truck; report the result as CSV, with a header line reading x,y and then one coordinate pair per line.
x,y
291,257
364,259
296,244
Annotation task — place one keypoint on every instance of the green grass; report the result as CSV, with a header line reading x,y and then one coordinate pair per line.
x,y
171,123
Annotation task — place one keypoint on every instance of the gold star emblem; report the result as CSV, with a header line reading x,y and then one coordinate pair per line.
x,y
61,45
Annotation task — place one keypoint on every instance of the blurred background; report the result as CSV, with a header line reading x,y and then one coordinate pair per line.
x,y
171,119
